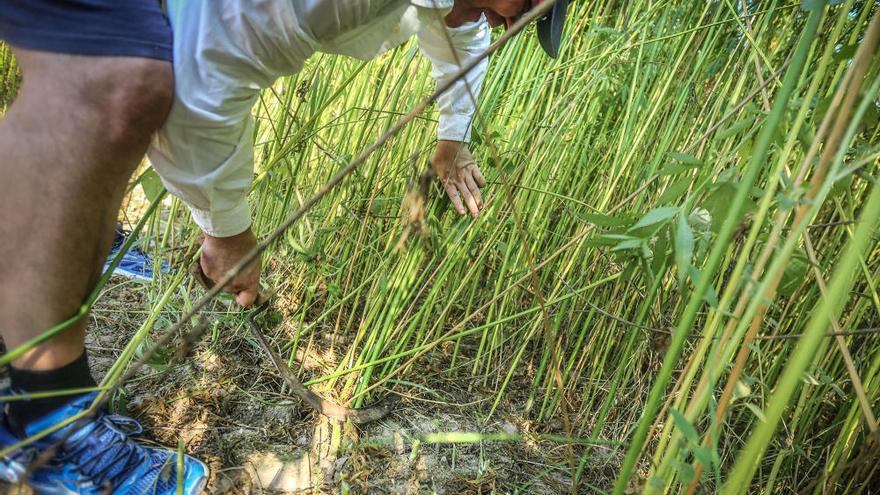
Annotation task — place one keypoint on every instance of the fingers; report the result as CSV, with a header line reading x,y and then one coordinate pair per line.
x,y
460,177
478,175
247,297
221,254
464,190
245,287
469,199
474,189
452,192
461,196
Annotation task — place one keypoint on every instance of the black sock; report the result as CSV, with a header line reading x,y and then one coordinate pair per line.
x,y
20,413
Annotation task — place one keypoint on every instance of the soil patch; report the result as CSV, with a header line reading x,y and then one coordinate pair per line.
x,y
228,405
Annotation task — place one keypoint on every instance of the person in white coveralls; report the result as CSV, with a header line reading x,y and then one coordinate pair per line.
x,y
226,51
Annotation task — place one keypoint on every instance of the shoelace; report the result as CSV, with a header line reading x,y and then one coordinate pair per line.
x,y
104,463
126,425
119,238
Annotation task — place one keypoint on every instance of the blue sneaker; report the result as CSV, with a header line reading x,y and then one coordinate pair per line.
x,y
135,263
100,457
14,465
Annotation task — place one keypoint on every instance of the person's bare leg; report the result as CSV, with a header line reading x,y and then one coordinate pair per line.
x,y
68,144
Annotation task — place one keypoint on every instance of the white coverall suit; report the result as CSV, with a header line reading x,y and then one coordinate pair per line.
x,y
226,51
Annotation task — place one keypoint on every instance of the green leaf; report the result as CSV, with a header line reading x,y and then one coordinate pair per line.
x,y
151,184
685,158
646,251
794,274
657,482
718,204
334,290
686,472
161,357
655,216
711,297
378,205
675,190
845,53
704,455
744,150
663,251
713,67
685,162
619,237
735,128
805,137
756,411
822,107
601,220
675,169
785,202
684,248
687,429
599,242
810,379
700,219
628,244
740,391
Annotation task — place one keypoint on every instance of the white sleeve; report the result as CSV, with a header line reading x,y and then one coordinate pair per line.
x,y
210,169
467,42
204,152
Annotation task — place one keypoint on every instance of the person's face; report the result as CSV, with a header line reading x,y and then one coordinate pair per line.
x,y
498,12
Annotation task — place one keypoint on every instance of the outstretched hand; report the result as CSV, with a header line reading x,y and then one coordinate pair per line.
x,y
221,254
460,176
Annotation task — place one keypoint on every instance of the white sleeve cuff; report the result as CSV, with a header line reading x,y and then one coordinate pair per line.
x,y
434,4
226,223
455,127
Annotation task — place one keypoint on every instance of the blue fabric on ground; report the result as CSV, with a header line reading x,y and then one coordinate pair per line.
x,y
125,28
135,263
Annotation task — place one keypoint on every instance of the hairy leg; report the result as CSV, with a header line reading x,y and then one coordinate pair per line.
x,y
68,145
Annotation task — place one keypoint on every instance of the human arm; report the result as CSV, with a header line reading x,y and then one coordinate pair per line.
x,y
449,49
210,169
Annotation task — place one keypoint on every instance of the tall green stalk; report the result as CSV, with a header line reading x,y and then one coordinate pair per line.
x,y
720,245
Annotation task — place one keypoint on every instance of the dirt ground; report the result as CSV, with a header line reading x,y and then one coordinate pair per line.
x,y
225,402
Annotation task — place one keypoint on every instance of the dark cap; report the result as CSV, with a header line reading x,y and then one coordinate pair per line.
x,y
550,28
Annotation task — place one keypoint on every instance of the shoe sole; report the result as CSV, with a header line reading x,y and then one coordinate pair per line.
x,y
197,489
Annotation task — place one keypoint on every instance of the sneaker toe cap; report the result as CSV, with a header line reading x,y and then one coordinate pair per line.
x,y
195,476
